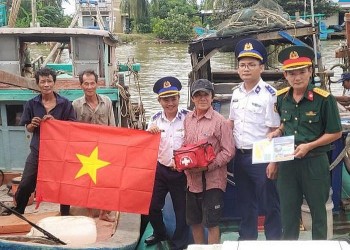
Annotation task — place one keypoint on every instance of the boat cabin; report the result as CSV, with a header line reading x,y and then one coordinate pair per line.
x,y
89,49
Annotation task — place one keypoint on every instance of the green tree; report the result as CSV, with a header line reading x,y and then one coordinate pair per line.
x,y
49,14
162,8
138,11
174,19
176,27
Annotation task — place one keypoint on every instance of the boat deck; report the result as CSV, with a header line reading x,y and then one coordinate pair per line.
x,y
123,233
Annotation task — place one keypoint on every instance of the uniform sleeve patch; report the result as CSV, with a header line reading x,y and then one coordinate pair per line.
x,y
321,92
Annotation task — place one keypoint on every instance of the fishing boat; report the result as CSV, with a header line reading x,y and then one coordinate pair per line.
x,y
88,49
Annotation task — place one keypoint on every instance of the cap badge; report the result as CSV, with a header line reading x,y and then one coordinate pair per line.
x,y
248,46
293,55
166,84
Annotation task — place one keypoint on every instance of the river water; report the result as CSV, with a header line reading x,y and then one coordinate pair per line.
x,y
159,60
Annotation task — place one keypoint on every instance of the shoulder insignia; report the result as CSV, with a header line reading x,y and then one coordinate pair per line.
x,y
184,111
270,89
282,91
236,87
156,116
321,92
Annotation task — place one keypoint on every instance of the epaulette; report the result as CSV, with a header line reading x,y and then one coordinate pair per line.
x,y
321,92
282,91
270,89
236,87
156,115
184,111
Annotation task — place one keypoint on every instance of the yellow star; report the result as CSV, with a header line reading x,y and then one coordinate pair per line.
x,y
90,164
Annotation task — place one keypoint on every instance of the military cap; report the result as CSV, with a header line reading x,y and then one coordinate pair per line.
x,y
167,86
296,57
202,85
250,47
345,76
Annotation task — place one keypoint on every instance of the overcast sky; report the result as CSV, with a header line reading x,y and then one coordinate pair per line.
x,y
69,8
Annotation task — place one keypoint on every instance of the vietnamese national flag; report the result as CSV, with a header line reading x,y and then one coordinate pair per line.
x,y
96,166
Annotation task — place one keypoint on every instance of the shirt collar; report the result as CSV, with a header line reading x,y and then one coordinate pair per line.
x,y
257,88
208,114
59,99
308,94
178,115
100,100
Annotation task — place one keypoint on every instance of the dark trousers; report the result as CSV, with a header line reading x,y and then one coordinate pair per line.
x,y
308,177
167,180
28,183
254,189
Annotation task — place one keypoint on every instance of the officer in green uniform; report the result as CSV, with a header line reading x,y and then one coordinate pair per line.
x,y
311,115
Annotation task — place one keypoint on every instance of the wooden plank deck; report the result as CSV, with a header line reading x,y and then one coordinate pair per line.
x,y
12,224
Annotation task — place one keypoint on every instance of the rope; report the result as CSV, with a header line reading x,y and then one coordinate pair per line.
x,y
135,115
340,156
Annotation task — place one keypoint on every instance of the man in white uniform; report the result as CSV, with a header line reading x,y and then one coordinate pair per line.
x,y
253,117
170,123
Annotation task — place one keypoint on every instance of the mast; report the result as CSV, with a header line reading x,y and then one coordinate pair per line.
x,y
313,29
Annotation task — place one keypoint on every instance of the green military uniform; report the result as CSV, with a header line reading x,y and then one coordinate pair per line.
x,y
314,115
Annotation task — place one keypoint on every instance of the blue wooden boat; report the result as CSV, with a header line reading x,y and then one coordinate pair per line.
x,y
89,49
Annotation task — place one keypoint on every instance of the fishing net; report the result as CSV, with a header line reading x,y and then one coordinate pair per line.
x,y
265,15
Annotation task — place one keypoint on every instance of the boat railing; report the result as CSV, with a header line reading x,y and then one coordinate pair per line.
x,y
36,63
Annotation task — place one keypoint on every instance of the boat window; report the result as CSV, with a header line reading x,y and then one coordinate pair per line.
x,y
14,113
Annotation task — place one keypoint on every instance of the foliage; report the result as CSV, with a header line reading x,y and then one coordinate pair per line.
x,y
49,14
176,27
143,25
138,11
161,8
173,19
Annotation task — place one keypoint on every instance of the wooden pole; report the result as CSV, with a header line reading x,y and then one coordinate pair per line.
x,y
34,24
14,13
347,28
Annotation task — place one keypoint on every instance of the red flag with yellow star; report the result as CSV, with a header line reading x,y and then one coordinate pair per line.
x,y
96,166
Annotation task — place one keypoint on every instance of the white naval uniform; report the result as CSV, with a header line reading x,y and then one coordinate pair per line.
x,y
172,135
253,113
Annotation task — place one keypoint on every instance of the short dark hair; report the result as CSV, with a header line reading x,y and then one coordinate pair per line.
x,y
45,72
87,72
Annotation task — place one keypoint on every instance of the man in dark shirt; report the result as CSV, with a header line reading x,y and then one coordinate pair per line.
x,y
48,105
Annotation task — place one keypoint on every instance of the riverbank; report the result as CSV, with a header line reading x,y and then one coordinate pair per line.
x,y
139,38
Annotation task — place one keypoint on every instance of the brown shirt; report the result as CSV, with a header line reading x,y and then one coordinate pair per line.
x,y
215,129
102,114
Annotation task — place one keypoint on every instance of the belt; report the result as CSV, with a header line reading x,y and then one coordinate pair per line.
x,y
244,151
